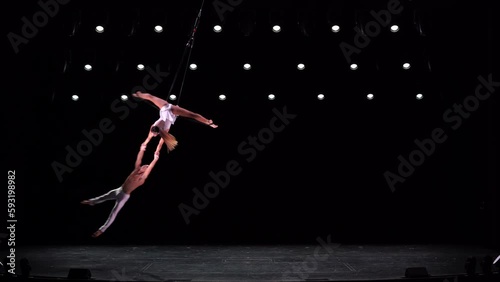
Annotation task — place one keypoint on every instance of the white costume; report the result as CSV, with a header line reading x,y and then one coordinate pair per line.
x,y
120,199
167,116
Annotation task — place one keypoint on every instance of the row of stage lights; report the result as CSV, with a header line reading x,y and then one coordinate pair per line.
x,y
247,66
223,97
276,28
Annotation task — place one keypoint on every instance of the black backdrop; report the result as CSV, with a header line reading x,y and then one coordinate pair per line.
x,y
320,173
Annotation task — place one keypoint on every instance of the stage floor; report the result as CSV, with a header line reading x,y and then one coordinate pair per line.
x,y
256,263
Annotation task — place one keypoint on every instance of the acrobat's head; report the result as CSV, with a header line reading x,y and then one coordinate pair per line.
x,y
142,169
155,130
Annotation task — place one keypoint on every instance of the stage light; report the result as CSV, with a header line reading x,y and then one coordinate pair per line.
x,y
354,66
370,96
99,29
394,28
158,29
88,67
271,97
124,97
172,97
247,66
276,28
217,28
222,97
406,66
496,262
75,97
157,19
301,66
193,66
419,96
335,15
140,67
321,96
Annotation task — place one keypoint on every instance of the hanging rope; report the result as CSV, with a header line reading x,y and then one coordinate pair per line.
x,y
187,49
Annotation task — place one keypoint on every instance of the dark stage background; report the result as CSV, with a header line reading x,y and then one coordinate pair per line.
x,y
321,173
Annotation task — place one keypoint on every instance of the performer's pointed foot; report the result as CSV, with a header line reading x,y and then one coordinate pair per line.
x,y
211,124
97,234
87,202
137,94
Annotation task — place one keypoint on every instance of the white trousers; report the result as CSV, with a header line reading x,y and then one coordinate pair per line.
x,y
120,199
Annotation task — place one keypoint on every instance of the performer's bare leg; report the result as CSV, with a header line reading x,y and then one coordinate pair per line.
x,y
179,111
159,102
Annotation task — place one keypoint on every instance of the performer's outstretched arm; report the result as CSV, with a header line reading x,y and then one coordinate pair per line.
x,y
156,157
138,160
159,146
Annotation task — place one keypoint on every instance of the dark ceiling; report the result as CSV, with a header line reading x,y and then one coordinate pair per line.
x,y
336,148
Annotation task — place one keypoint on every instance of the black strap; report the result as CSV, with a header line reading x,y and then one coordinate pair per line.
x,y
187,49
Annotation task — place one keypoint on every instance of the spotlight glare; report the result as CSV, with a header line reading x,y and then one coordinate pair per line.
x,y
369,96
124,97
354,66
88,67
419,96
172,97
140,67
217,28
335,28
276,28
158,29
406,66
321,96
271,96
394,28
75,97
99,29
497,261
247,66
222,97
193,66
301,66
